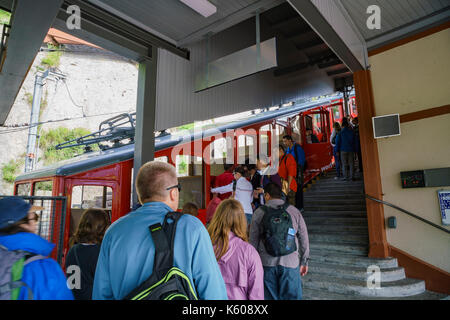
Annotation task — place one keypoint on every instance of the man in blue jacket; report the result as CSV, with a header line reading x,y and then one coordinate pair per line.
x,y
42,277
127,252
346,145
299,155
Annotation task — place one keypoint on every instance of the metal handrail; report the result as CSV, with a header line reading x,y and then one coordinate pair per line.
x,y
408,213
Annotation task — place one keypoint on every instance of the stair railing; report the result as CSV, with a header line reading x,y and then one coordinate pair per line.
x,y
407,212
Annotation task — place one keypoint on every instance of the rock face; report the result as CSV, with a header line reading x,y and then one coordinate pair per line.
x,y
97,83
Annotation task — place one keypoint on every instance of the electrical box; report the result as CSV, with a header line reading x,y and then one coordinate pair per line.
x,y
439,177
392,222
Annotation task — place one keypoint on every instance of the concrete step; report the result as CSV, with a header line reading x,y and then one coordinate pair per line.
x,y
330,207
335,221
356,273
339,183
356,260
338,247
326,196
350,229
334,202
361,239
332,192
399,288
356,214
313,294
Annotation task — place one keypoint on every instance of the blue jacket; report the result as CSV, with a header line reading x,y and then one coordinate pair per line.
x,y
346,140
297,149
44,277
127,255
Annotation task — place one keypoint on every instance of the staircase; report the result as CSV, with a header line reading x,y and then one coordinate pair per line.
x,y
335,215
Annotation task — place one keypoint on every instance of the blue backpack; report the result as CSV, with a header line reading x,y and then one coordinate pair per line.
x,y
11,270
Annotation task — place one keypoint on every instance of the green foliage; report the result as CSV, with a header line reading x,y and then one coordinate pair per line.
x,y
44,186
10,170
52,58
49,139
188,126
29,98
4,17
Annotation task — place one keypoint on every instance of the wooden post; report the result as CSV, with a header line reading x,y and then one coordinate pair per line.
x,y
372,177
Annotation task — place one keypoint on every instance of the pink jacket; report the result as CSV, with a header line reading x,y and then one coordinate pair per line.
x,y
242,270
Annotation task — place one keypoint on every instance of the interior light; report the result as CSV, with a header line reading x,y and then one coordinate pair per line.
x,y
204,7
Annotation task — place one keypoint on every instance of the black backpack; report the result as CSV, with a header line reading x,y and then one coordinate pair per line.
x,y
278,234
166,282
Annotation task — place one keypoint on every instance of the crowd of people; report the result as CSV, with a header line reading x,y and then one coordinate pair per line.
x,y
346,148
255,245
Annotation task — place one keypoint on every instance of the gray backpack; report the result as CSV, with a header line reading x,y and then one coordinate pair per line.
x,y
11,268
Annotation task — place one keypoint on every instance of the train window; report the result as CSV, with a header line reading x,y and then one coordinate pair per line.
x,y
43,188
295,126
221,152
264,133
313,127
190,177
354,109
336,114
23,189
182,165
162,159
247,149
85,197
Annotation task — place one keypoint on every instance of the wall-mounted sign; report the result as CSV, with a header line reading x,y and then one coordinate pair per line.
x,y
386,126
444,204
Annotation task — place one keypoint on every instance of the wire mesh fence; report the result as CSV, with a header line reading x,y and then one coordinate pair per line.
x,y
52,219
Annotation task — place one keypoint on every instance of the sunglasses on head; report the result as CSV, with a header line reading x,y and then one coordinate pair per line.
x,y
178,186
35,217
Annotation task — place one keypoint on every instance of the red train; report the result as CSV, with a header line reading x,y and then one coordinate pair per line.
x,y
103,179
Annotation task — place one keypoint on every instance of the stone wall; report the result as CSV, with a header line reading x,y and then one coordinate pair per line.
x,y
100,83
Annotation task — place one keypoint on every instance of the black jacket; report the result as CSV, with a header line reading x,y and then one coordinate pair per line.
x,y
84,256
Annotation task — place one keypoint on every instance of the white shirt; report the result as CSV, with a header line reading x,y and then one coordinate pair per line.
x,y
244,193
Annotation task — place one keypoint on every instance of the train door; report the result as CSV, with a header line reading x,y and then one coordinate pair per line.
x,y
316,135
85,194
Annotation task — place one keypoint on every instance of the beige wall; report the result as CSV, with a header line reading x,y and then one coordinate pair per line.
x,y
410,78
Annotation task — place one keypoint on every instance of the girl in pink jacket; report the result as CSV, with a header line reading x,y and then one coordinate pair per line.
x,y
238,260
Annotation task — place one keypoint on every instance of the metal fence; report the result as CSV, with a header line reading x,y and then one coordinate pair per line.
x,y
52,220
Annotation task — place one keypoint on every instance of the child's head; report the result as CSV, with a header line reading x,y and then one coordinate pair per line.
x,y
190,208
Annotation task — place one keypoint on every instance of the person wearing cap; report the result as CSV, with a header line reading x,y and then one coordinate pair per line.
x,y
18,225
268,174
242,191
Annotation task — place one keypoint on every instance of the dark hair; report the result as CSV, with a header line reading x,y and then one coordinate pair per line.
x,y
345,122
15,227
251,167
227,166
190,208
288,137
240,169
273,190
282,148
92,227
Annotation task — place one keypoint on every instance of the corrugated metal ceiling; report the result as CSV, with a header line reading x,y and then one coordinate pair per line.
x,y
172,18
394,14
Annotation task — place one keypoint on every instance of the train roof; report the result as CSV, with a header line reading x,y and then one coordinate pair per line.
x,y
97,159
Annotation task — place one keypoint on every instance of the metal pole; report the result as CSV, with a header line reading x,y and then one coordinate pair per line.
x,y
258,40
34,119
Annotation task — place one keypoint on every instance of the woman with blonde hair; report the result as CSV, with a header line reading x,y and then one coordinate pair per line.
x,y
238,260
86,249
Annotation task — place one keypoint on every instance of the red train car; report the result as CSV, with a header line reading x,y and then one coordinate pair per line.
x,y
103,179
